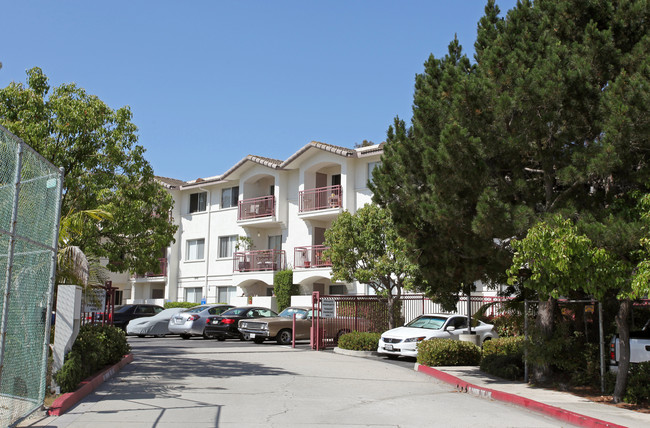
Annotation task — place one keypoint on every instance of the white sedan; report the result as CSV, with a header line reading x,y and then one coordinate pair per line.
x,y
156,325
402,341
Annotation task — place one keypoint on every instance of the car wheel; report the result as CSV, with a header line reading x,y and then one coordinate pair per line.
x,y
160,335
185,336
206,335
221,338
284,337
341,333
244,337
140,335
258,340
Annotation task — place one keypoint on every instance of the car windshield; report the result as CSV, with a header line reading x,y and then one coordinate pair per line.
x,y
235,311
427,321
301,314
196,309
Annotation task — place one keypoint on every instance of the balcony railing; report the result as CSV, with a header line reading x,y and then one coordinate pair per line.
x,y
256,208
259,260
321,198
163,270
310,257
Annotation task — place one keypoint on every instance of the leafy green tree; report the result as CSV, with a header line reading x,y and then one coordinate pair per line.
x,y
104,168
538,125
284,288
365,247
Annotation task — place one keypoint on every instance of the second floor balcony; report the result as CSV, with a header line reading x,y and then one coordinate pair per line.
x,y
161,273
310,257
256,208
259,261
321,198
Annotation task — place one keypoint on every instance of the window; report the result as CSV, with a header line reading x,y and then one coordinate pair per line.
x,y
371,169
158,293
338,289
226,294
193,295
229,197
275,242
227,245
198,202
336,180
195,249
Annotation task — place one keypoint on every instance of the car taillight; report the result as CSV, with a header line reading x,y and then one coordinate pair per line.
x,y
227,321
110,317
193,318
612,351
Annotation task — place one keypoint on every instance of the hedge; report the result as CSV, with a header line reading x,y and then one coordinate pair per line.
x,y
95,347
447,352
358,341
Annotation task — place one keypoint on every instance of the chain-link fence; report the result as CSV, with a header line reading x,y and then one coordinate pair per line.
x,y
30,196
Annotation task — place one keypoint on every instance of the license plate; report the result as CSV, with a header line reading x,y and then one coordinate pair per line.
x,y
389,347
252,335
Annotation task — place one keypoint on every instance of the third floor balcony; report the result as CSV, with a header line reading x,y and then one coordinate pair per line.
x,y
321,201
257,210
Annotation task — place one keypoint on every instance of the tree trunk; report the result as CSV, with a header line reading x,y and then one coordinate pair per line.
x,y
622,323
544,325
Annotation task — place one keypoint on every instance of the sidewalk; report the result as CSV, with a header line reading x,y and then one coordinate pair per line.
x,y
560,405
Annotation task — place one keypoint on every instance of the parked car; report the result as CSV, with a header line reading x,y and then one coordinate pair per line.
x,y
280,328
192,321
225,326
402,341
157,325
122,314
639,347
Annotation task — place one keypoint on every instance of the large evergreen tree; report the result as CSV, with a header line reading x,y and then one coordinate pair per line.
x,y
539,125
104,169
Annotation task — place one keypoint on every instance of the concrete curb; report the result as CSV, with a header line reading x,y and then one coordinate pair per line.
x,y
352,353
66,401
552,411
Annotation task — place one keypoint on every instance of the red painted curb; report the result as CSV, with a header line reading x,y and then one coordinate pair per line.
x,y
555,412
66,401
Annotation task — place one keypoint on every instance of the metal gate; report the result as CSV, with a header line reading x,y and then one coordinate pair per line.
x,y
336,315
30,196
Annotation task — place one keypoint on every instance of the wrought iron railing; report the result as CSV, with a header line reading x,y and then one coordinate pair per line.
x,y
321,198
310,257
259,260
256,207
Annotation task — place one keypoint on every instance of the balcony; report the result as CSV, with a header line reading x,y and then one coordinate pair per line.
x,y
321,203
255,208
310,257
259,261
162,273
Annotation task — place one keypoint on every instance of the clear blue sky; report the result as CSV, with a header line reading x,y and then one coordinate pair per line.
x,y
210,82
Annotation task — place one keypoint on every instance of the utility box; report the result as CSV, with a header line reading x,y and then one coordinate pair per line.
x,y
68,321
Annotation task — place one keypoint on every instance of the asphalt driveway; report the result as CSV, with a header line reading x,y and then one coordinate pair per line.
x,y
206,383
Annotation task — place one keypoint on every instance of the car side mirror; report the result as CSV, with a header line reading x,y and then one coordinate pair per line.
x,y
450,328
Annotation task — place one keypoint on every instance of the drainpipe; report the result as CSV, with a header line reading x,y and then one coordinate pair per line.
x,y
207,243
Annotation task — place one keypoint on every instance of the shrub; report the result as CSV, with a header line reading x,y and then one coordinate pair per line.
x,y
95,347
284,288
638,387
358,341
509,324
504,346
180,305
447,352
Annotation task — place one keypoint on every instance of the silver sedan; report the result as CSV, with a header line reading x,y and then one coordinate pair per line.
x,y
191,322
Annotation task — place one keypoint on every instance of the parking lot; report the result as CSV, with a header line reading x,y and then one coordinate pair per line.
x,y
207,383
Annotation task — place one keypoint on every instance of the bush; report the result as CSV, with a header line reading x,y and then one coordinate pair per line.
x,y
509,324
447,352
504,366
638,387
284,288
96,346
504,346
358,341
180,305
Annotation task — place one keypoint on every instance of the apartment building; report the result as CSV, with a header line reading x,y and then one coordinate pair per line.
x,y
281,207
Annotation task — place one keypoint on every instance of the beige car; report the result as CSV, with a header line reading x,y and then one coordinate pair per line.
x,y
280,328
